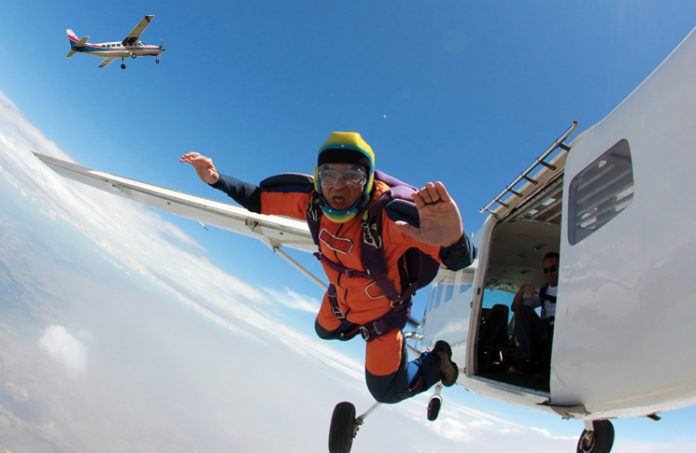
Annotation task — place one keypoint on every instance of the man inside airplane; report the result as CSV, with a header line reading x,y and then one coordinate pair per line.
x,y
534,333
338,204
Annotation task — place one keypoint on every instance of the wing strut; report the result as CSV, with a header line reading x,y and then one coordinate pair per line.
x,y
277,249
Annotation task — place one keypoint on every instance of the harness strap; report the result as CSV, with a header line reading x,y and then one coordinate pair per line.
x,y
340,268
333,303
544,297
373,251
394,319
385,285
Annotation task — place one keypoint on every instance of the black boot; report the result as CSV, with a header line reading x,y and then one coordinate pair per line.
x,y
449,371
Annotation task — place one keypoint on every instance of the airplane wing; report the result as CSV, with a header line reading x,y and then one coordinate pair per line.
x,y
271,230
134,35
107,61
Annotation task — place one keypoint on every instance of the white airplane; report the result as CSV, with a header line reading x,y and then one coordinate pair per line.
x,y
616,202
131,46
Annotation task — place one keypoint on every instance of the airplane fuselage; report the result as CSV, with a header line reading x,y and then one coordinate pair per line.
x,y
616,203
118,50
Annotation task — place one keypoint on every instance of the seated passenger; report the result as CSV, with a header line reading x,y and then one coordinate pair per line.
x,y
532,332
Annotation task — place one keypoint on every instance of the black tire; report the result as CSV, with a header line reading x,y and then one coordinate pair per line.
x,y
599,441
342,429
123,66
434,406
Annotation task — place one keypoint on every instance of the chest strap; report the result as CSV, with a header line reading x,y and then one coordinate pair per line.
x,y
384,284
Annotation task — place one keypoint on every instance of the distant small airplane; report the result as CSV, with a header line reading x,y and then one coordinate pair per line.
x,y
131,46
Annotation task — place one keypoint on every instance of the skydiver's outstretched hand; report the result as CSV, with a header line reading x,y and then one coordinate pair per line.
x,y
440,222
203,165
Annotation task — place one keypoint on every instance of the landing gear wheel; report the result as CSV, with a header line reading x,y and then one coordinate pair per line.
x,y
123,66
157,61
435,403
343,428
598,441
434,406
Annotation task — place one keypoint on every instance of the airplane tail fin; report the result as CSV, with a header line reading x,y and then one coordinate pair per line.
x,y
75,43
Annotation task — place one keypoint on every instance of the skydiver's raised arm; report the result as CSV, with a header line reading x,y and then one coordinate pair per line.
x,y
247,195
440,224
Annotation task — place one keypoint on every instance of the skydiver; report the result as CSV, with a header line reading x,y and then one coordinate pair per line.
x,y
335,203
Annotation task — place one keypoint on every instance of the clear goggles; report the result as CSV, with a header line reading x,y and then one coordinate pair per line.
x,y
353,178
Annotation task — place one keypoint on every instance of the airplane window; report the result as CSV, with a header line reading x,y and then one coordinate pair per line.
x,y
600,192
449,291
438,293
429,304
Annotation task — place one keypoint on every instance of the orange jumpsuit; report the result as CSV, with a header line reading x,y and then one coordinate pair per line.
x,y
359,299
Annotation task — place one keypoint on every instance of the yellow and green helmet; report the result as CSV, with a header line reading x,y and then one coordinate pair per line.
x,y
350,148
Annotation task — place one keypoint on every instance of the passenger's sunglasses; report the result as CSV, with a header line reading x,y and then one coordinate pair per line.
x,y
548,270
353,177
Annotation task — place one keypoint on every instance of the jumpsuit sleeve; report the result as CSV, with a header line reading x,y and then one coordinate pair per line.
x,y
244,193
286,195
458,255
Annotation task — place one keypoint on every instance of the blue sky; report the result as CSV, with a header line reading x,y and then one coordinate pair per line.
x,y
464,92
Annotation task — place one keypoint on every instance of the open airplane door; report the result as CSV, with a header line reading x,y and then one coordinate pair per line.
x,y
624,335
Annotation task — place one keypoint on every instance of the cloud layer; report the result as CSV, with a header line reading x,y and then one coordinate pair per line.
x,y
144,344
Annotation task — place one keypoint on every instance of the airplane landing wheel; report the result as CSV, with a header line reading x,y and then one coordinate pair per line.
x,y
598,441
157,61
435,403
343,428
123,66
434,406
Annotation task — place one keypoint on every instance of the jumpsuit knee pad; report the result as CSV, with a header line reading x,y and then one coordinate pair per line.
x,y
344,332
387,389
323,333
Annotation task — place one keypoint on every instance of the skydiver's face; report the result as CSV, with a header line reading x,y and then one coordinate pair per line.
x,y
551,271
342,184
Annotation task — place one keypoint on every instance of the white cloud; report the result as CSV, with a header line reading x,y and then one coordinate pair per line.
x,y
295,301
62,347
